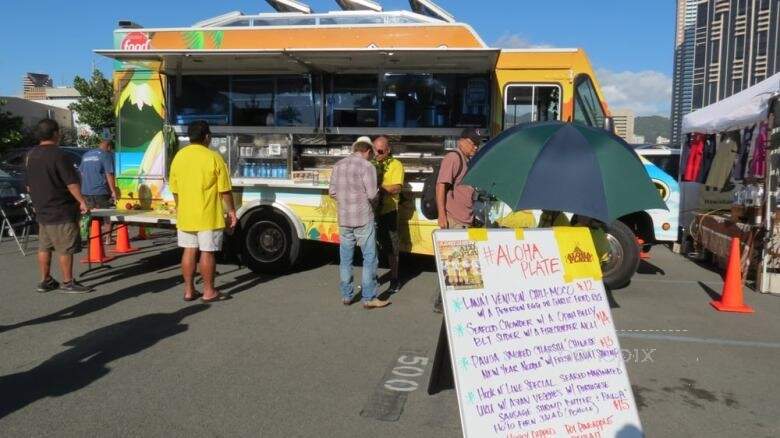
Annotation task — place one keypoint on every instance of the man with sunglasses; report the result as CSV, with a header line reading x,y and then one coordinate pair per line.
x,y
391,177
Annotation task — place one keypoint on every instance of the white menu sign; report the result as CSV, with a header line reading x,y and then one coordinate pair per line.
x,y
534,351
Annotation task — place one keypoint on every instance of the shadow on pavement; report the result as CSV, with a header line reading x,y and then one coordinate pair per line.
x,y
613,304
710,291
86,360
100,302
649,269
410,267
168,258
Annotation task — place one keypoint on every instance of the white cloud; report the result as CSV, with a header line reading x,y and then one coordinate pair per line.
x,y
646,92
515,41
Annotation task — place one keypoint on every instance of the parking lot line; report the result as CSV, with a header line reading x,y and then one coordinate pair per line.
x,y
691,339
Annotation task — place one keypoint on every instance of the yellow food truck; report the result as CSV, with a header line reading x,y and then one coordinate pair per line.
x,y
287,92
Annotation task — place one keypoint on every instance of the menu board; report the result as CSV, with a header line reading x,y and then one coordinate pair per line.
x,y
534,351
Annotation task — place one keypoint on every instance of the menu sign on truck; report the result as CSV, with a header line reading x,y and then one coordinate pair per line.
x,y
534,351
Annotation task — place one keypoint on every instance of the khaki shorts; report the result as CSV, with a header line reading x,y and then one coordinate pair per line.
x,y
61,238
454,224
207,241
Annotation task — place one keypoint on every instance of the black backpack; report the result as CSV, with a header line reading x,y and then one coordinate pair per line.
x,y
428,201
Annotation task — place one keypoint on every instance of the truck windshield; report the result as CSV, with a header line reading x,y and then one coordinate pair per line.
x,y
587,107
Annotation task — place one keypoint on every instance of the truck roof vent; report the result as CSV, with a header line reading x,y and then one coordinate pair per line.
x,y
359,5
431,9
290,6
126,24
219,19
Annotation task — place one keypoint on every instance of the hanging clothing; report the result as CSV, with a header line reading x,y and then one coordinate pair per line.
x,y
695,155
710,148
757,166
727,146
740,164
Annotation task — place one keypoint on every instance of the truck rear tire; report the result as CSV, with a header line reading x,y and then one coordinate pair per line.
x,y
623,258
269,244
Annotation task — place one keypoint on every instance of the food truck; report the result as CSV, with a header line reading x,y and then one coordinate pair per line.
x,y
286,93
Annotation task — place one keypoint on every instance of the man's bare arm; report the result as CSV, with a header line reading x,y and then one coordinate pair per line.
x,y
75,191
441,204
227,199
112,185
392,189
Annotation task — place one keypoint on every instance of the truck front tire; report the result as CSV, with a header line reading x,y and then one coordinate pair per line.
x,y
623,259
269,244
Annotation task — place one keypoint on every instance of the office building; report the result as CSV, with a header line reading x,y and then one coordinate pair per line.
x,y
34,85
721,48
623,120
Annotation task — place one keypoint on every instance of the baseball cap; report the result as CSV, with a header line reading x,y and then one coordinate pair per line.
x,y
471,134
363,139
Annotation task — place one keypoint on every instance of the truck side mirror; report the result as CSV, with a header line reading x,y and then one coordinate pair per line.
x,y
609,124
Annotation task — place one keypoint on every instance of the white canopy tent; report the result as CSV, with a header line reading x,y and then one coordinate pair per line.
x,y
741,110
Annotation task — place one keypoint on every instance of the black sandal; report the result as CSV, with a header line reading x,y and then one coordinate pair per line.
x,y
194,297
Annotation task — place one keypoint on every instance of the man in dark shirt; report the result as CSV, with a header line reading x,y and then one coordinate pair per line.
x,y
55,188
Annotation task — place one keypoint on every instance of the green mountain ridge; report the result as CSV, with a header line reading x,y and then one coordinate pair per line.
x,y
652,127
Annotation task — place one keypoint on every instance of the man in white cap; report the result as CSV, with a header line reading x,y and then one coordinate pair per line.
x,y
353,184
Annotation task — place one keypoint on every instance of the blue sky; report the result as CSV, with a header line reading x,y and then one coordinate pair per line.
x,y
630,43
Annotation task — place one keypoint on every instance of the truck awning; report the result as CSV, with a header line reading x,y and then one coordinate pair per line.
x,y
442,60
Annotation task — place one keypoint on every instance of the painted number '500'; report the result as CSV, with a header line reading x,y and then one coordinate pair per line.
x,y
408,368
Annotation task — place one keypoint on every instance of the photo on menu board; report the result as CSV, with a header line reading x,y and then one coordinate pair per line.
x,y
460,264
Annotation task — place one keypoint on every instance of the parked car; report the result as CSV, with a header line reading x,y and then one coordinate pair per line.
x,y
665,157
9,186
12,164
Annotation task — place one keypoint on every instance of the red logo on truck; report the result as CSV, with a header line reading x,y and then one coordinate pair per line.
x,y
135,41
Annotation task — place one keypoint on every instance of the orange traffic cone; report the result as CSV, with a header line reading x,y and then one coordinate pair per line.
x,y
96,253
123,241
731,298
643,255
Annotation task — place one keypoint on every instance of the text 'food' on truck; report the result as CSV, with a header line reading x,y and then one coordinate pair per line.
x,y
287,93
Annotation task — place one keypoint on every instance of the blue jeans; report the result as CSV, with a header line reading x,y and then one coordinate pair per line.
x,y
365,237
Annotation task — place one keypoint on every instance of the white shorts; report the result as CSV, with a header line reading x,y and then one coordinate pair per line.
x,y
208,241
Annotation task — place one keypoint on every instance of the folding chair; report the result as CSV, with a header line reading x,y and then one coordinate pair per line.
x,y
17,215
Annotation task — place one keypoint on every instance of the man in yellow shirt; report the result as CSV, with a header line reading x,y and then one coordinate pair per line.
x,y
391,178
200,184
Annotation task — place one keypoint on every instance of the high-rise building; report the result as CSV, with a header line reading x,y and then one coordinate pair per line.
x,y
623,120
34,85
721,48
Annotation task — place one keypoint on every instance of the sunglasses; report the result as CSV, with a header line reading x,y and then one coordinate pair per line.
x,y
381,151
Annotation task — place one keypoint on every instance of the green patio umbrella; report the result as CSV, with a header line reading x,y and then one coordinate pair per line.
x,y
564,167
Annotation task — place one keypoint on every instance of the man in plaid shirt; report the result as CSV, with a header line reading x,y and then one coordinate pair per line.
x,y
353,184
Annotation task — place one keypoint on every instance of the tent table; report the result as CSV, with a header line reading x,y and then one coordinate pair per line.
x,y
714,233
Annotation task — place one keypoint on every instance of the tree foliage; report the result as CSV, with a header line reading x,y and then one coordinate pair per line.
x,y
95,108
11,128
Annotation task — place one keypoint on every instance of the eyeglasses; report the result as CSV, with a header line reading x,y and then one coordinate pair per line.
x,y
381,151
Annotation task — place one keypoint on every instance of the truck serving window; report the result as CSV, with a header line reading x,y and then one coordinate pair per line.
x,y
587,107
531,103
201,98
434,100
352,101
245,100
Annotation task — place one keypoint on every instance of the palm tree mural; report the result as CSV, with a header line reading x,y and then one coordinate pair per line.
x,y
141,154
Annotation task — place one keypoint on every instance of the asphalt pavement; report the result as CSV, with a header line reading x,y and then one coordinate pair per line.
x,y
285,358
